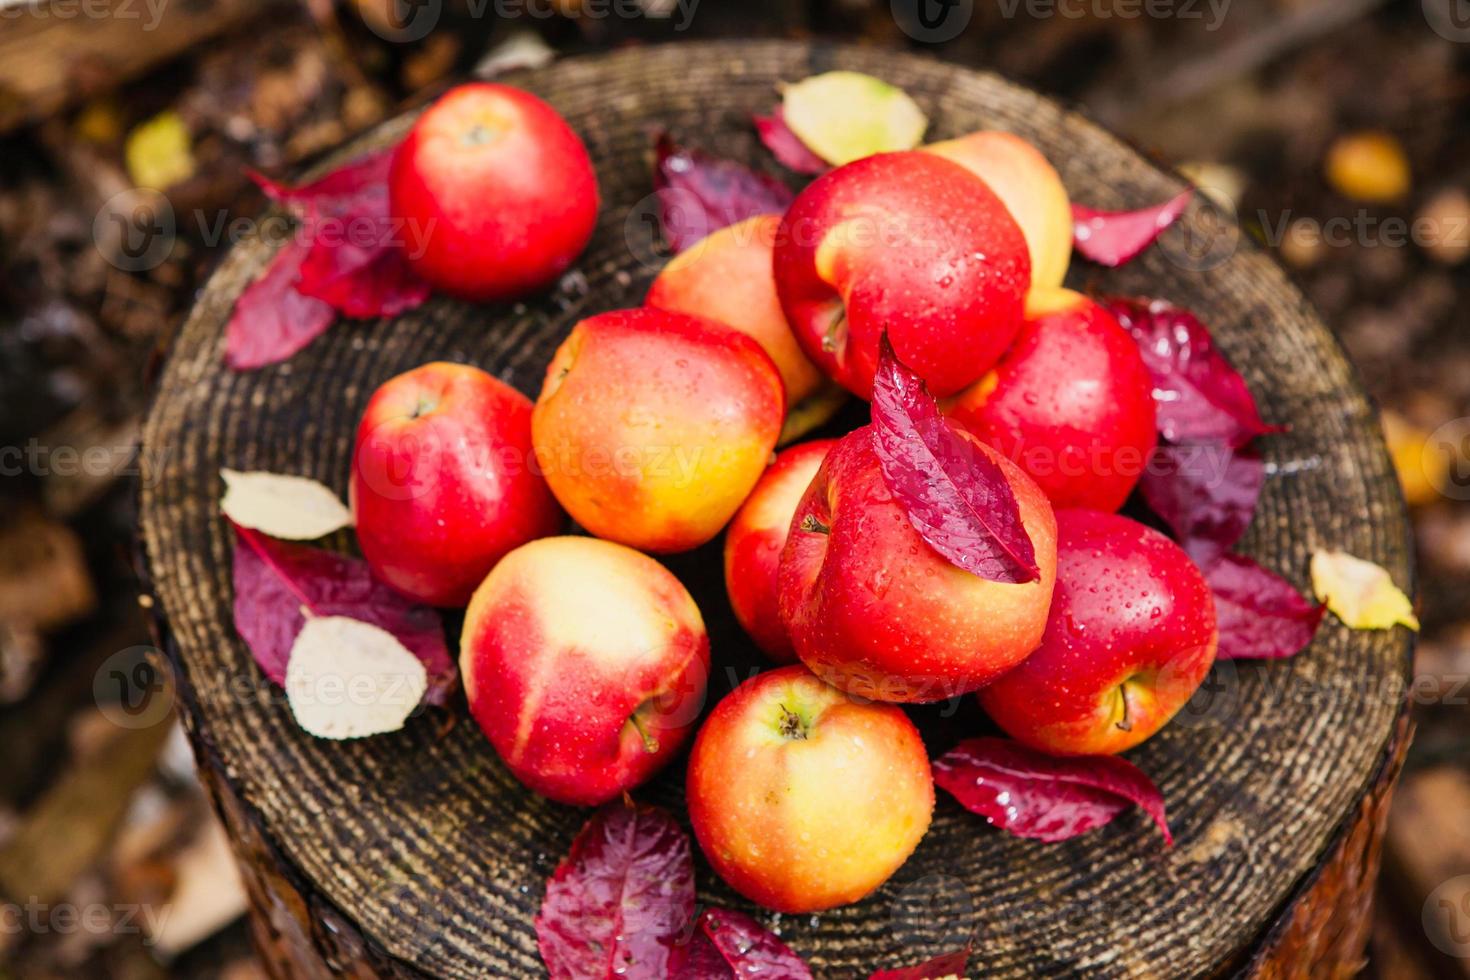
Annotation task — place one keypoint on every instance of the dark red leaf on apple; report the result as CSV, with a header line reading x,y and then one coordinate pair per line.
x,y
356,260
1198,395
621,898
1260,614
278,582
1206,494
749,949
785,145
955,496
1046,797
699,193
698,959
944,965
271,320
1112,238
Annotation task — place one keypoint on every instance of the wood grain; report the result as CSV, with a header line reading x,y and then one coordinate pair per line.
x,y
422,845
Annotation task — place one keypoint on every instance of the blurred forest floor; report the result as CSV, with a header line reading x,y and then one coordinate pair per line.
x,y
1333,116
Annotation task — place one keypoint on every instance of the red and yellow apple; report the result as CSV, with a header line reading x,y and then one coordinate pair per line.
x,y
726,276
1130,638
585,664
876,612
499,189
754,541
1031,190
443,482
908,243
1071,402
803,799
652,427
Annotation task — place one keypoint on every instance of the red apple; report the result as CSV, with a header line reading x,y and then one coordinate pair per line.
x,y
754,541
500,188
875,611
652,427
803,799
726,276
443,482
1032,192
910,243
585,664
1071,402
1130,638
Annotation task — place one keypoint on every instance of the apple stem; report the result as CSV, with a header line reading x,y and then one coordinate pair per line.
x,y
812,524
1123,723
835,337
650,744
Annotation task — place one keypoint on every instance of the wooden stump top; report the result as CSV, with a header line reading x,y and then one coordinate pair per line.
x,y
422,843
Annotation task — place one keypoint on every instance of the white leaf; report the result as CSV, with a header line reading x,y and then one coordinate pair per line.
x,y
289,507
348,679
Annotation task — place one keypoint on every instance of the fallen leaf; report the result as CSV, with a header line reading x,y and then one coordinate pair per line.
x,y
1260,615
1360,593
278,583
1421,472
941,967
843,116
1199,396
1368,166
290,507
350,679
271,320
355,261
733,945
699,194
954,494
1046,797
786,146
620,899
1206,494
1112,238
159,152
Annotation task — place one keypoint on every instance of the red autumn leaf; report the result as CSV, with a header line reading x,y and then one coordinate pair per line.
x,y
620,899
1046,797
1260,614
699,193
1112,238
1198,395
741,947
271,320
955,495
951,964
356,261
1206,494
277,583
785,145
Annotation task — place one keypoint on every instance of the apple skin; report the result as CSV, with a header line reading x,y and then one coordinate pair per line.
x,y
501,188
873,610
754,541
910,243
443,483
726,276
1031,189
1071,402
803,799
652,426
563,643
1132,620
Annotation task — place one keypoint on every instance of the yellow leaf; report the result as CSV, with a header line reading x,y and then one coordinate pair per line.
x,y
290,507
1421,473
350,679
1360,593
158,152
844,116
1368,166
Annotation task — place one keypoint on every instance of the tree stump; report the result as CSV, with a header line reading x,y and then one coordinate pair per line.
x,y
417,854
